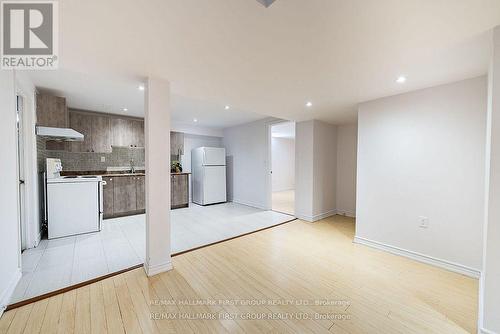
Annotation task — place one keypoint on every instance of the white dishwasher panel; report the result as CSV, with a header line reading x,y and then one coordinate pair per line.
x,y
73,208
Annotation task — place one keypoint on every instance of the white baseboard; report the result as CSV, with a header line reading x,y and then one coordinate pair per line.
x,y
156,269
455,267
253,205
7,293
346,213
317,217
486,331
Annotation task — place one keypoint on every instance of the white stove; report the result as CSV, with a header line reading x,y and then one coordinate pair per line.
x,y
74,204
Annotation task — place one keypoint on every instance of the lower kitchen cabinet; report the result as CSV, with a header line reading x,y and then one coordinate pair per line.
x,y
108,197
124,195
179,191
140,189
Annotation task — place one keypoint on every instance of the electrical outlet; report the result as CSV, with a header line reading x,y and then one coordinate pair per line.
x,y
103,159
424,221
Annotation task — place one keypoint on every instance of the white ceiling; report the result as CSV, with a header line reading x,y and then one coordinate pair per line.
x,y
113,94
270,61
283,130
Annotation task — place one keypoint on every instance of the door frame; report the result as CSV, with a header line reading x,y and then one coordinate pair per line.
x,y
32,223
21,167
269,179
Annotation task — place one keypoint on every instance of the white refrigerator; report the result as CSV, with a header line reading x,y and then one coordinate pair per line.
x,y
208,169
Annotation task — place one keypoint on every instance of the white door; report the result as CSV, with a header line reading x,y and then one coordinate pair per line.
x,y
214,184
214,156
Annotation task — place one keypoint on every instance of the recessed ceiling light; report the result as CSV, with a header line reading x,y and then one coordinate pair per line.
x,y
309,104
195,120
125,109
227,107
401,79
141,87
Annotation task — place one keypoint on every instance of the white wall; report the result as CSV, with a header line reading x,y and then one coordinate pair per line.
x,y
347,140
422,154
193,141
283,163
489,302
247,152
9,225
156,125
315,170
325,170
196,130
304,156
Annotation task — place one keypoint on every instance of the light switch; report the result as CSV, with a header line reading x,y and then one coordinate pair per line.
x,y
103,159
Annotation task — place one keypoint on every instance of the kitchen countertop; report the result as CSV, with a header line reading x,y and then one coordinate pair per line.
x,y
122,174
103,173
112,174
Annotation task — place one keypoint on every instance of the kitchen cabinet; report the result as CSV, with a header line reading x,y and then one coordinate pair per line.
x,y
138,133
176,143
51,111
82,123
179,190
127,132
140,189
108,197
124,195
121,129
101,134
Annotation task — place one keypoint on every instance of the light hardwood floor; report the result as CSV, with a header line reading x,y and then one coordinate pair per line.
x,y
284,201
296,264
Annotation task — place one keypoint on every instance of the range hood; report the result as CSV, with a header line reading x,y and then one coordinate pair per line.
x,y
59,134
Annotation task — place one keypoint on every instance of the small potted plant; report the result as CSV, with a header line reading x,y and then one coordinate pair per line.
x,y
175,167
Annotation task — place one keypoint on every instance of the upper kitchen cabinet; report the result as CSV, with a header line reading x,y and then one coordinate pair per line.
x,y
96,130
101,134
176,143
51,111
138,133
127,132
121,130
81,122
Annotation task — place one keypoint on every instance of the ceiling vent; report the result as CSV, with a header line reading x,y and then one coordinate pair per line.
x,y
266,3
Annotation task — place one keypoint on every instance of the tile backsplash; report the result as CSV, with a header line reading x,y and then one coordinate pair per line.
x,y
120,157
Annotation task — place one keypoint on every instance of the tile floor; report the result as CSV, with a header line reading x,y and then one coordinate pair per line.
x,y
58,263
284,201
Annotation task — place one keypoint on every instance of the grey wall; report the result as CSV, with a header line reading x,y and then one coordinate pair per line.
x,y
120,157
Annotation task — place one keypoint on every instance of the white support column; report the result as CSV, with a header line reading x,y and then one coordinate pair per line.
x,y
489,299
157,133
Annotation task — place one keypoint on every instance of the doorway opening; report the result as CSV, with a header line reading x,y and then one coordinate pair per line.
x,y
283,167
